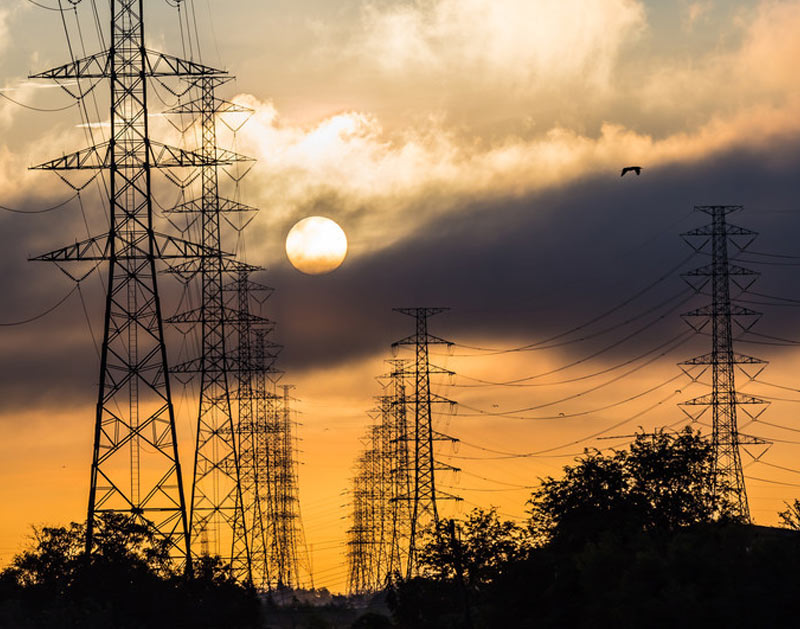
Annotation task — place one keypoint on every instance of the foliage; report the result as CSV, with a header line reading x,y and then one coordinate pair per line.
x,y
126,581
662,483
483,545
790,518
635,538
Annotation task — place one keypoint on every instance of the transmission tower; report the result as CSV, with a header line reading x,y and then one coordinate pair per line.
x,y
359,552
723,400
425,496
258,467
216,483
243,515
135,467
382,479
401,485
289,530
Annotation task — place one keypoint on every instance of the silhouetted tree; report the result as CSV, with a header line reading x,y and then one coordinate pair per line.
x,y
128,580
790,517
486,545
661,483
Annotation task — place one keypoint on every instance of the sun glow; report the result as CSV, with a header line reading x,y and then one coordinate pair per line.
x,y
316,245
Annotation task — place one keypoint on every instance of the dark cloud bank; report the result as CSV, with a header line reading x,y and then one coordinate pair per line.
x,y
512,270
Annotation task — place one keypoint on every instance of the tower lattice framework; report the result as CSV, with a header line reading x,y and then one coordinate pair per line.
x,y
425,495
135,465
216,484
724,400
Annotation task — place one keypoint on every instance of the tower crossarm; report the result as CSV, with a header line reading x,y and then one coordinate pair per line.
x,y
161,156
709,270
709,359
157,64
190,268
737,398
711,310
231,316
430,338
197,206
730,230
98,248
213,105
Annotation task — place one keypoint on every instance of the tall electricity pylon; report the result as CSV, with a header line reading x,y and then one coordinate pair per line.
x,y
723,400
216,484
135,466
424,509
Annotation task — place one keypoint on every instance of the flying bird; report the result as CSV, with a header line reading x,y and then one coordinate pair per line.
x,y
636,169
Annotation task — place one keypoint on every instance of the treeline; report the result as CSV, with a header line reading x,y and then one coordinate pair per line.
x,y
128,581
634,538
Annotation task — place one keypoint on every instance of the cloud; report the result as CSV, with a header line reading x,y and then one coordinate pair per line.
x,y
384,186
696,11
521,268
515,40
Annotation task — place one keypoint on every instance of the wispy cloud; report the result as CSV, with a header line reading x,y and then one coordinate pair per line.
x,y
512,41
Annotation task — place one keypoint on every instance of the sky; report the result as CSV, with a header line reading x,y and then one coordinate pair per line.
x,y
471,152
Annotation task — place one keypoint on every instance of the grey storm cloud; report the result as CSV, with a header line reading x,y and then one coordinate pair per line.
x,y
512,270
522,269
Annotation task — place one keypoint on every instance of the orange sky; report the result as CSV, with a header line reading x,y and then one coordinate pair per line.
x,y
403,121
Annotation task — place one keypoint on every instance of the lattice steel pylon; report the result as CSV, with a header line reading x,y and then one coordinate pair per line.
x,y
377,534
424,509
360,543
400,467
724,399
135,465
288,527
216,485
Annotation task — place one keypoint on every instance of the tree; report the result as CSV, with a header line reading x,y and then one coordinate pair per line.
x,y
790,518
484,545
126,581
662,483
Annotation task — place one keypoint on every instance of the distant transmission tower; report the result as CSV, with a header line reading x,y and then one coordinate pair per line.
x,y
400,469
290,538
378,538
244,516
135,466
424,509
360,538
723,400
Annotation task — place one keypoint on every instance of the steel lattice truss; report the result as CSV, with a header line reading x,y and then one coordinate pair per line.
x,y
266,444
394,489
378,539
216,486
135,465
425,496
723,400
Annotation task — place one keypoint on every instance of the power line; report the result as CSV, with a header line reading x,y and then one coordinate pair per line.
x,y
592,321
44,313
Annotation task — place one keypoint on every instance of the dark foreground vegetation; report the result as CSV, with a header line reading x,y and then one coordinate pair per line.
x,y
127,582
635,538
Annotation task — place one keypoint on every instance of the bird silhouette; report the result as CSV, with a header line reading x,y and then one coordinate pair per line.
x,y
636,169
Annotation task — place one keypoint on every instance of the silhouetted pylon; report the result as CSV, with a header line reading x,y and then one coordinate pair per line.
x,y
723,400
425,496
